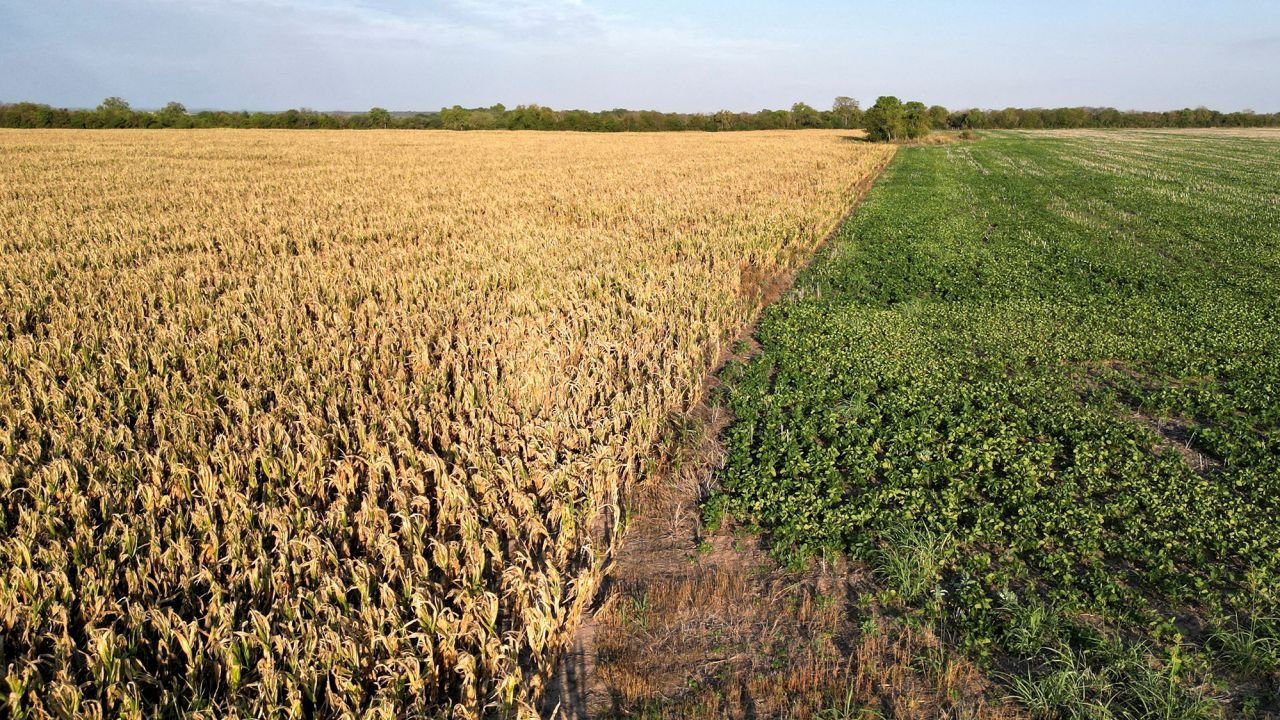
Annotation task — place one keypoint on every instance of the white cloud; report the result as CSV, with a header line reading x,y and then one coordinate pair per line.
x,y
274,54
551,26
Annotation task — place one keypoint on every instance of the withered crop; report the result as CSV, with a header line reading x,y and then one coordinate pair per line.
x,y
340,424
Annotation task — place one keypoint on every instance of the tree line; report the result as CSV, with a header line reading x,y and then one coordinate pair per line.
x,y
897,120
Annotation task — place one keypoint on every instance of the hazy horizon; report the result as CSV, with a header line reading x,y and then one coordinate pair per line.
x,y
595,55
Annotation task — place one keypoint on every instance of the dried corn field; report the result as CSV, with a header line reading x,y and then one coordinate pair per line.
x,y
328,424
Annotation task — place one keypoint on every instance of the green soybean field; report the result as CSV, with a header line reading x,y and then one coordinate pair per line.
x,y
1034,385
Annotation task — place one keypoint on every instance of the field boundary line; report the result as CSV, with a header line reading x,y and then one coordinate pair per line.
x,y
694,454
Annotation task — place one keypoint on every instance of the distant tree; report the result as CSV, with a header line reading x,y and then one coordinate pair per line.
x,y
481,120
114,104
890,119
260,120
419,121
173,115
847,112
804,116
723,120
533,117
975,119
885,121
937,117
379,117
1006,118
580,120
1070,117
1109,117
1031,119
454,118
113,112
916,118
27,115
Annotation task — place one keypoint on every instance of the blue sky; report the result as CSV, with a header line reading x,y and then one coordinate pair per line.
x,y
662,54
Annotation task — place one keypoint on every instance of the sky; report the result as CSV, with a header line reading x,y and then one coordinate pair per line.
x,y
669,55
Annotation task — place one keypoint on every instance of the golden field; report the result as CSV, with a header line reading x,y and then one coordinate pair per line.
x,y
342,424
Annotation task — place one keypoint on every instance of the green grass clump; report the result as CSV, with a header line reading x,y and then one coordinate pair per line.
x,y
1056,361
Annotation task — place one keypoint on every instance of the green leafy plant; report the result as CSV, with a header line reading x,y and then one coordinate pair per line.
x,y
1032,382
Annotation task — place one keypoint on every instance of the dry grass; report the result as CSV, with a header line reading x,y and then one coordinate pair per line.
x,y
935,138
698,626
726,633
333,423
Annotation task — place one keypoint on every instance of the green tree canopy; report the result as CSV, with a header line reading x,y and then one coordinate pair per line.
x,y
454,118
886,120
916,116
173,115
114,112
531,117
846,111
379,117
805,116
114,104
938,117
